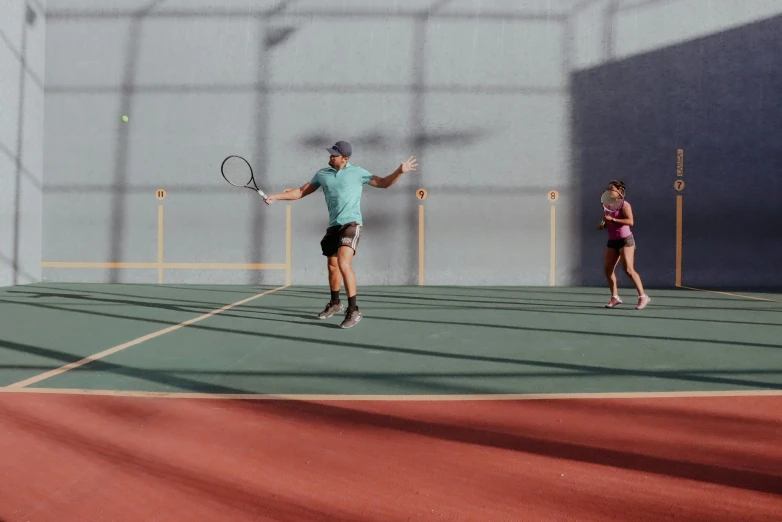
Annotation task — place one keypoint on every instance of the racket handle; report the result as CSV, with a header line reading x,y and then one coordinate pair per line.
x,y
264,196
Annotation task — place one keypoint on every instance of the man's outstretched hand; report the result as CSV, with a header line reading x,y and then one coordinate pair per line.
x,y
408,165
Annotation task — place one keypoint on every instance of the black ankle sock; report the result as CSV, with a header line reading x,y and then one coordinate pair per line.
x,y
352,303
335,296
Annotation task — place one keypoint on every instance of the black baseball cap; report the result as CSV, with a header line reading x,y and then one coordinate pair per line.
x,y
341,148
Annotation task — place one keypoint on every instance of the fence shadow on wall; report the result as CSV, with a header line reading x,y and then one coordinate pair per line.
x,y
21,173
277,28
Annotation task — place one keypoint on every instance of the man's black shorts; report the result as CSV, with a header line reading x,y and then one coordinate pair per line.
x,y
341,235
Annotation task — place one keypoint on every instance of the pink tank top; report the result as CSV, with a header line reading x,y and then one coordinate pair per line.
x,y
616,231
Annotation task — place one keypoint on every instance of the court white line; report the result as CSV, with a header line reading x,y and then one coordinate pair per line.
x,y
115,349
435,398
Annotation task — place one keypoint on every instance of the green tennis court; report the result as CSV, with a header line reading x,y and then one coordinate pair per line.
x,y
413,340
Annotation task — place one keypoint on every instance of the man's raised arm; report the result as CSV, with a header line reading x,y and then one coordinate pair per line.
x,y
405,166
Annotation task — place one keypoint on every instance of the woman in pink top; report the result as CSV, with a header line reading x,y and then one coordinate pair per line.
x,y
621,245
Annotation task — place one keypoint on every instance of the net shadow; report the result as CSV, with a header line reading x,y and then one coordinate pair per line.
x,y
29,19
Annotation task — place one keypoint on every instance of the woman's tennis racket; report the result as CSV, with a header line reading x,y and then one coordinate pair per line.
x,y
610,204
238,172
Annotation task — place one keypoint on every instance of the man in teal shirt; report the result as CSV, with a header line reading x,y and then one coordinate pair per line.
x,y
342,185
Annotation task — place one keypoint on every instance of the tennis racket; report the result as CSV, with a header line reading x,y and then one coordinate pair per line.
x,y
238,172
610,204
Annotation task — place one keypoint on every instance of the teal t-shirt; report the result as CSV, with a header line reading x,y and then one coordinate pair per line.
x,y
342,190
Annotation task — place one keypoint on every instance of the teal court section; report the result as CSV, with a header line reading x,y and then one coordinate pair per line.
x,y
412,340
45,326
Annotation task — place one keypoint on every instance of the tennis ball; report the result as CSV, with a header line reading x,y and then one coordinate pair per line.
x,y
124,118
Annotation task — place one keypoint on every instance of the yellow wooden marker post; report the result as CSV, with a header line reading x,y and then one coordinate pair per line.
x,y
288,245
421,194
553,195
679,186
160,195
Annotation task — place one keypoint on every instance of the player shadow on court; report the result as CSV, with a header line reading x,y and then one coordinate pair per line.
x,y
310,317
381,302
239,289
198,306
579,292
369,314
470,301
165,289
186,306
463,302
376,297
670,292
596,305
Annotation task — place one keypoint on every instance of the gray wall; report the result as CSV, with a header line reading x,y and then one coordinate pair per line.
x,y
496,99
22,42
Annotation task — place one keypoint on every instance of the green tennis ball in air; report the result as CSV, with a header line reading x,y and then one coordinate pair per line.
x,y
124,118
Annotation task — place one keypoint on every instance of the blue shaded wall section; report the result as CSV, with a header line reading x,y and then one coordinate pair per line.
x,y
718,99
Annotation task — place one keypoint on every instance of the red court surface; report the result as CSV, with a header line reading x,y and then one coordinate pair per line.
x,y
121,458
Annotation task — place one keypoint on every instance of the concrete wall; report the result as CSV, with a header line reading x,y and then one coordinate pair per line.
x,y
22,41
500,101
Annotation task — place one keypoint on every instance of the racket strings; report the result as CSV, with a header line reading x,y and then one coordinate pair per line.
x,y
237,172
610,203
